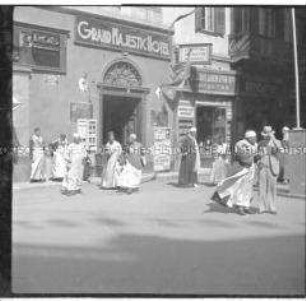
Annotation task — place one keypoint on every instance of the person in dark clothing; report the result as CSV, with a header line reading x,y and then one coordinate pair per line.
x,y
190,161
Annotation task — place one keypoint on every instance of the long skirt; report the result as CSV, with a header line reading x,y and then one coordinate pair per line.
x,y
130,177
59,166
111,173
236,190
187,175
267,191
73,178
38,166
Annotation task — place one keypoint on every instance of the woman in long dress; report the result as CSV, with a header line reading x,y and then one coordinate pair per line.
x,y
236,191
110,175
38,157
268,171
75,159
59,158
132,164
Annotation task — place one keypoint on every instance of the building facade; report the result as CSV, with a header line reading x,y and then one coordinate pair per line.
x,y
90,63
208,99
260,46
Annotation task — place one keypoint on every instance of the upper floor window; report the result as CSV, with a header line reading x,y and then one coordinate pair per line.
x,y
273,23
43,49
241,20
210,20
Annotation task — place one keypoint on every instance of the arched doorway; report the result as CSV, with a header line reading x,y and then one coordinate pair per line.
x,y
121,94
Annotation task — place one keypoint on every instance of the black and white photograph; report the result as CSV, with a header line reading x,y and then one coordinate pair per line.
x,y
155,150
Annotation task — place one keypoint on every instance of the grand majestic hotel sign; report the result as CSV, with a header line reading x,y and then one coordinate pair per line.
x,y
105,34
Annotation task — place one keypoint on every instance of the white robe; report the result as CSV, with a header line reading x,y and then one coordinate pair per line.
x,y
75,157
59,161
37,168
112,170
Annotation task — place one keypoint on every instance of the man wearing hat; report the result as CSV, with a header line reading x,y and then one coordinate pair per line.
x,y
190,161
236,191
268,170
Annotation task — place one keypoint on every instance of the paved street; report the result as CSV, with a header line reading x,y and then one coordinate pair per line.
x,y
163,240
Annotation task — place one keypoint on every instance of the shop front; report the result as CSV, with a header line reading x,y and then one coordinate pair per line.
x,y
209,106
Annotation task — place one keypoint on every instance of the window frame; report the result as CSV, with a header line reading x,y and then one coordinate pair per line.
x,y
201,19
29,61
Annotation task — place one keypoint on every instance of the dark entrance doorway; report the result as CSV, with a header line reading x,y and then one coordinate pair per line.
x,y
211,125
121,115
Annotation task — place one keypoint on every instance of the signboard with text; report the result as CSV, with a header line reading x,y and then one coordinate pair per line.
x,y
216,83
200,53
105,34
185,112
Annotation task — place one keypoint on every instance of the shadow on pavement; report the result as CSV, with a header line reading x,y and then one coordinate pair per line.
x,y
153,264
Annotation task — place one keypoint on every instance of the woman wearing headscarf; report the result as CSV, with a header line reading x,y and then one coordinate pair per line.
x,y
268,166
132,164
190,161
38,157
59,162
236,191
110,175
75,159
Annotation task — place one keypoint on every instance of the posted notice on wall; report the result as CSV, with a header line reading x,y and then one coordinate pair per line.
x,y
162,148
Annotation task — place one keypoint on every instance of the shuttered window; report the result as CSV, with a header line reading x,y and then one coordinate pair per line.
x,y
210,20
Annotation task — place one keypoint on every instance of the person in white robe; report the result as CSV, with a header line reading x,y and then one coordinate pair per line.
x,y
59,158
38,157
75,155
268,171
236,191
110,174
132,164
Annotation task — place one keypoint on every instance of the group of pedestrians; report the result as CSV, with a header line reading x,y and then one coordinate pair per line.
x,y
69,163
253,163
48,160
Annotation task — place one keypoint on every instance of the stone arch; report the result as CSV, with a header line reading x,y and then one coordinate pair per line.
x,y
122,73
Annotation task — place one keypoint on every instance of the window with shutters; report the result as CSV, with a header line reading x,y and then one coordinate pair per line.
x,y
242,19
210,20
267,22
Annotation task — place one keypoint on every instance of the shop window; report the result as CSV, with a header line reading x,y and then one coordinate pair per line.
x,y
211,125
210,20
43,49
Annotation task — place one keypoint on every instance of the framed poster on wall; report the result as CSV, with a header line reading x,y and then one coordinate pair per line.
x,y
80,110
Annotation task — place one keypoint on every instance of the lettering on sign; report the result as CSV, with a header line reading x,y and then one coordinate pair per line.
x,y
199,53
92,32
40,40
261,88
184,111
217,82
